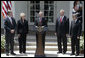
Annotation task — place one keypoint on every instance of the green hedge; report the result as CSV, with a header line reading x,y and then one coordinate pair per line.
x,y
3,42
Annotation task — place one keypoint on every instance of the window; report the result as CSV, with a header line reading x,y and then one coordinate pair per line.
x,y
34,10
46,6
49,10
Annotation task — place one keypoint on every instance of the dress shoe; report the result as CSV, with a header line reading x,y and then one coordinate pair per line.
x,y
72,53
20,52
13,53
76,54
64,52
24,52
59,52
7,54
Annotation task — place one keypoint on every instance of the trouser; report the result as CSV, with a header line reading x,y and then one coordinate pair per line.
x,y
60,39
43,41
75,44
22,43
9,38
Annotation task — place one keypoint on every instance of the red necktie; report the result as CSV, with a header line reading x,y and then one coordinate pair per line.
x,y
61,19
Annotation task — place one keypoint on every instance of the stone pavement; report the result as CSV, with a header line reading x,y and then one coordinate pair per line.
x,y
47,53
51,48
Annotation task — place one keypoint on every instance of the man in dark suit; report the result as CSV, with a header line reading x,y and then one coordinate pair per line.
x,y
22,30
42,22
61,32
75,32
10,26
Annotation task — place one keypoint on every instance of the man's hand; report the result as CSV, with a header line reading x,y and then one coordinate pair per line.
x,y
36,26
42,26
12,31
18,35
55,33
78,37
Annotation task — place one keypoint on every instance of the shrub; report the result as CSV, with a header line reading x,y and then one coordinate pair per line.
x,y
82,42
3,42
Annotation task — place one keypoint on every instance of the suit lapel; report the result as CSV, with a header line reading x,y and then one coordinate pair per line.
x,y
12,21
9,20
63,18
21,22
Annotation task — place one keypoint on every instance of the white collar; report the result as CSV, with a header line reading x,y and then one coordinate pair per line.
x,y
62,17
74,10
9,17
75,20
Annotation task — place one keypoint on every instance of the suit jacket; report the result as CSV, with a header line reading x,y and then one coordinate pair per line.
x,y
80,15
62,27
8,26
75,29
22,28
43,23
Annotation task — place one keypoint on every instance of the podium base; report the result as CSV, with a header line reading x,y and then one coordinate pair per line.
x,y
39,55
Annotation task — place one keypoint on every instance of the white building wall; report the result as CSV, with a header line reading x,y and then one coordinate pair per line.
x,y
23,6
20,6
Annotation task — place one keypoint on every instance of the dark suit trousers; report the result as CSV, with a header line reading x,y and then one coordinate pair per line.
x,y
75,44
9,38
43,37
22,43
60,39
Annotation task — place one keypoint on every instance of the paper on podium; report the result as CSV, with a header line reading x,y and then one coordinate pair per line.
x,y
41,28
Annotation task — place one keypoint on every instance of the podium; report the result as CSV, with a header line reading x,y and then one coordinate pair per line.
x,y
40,48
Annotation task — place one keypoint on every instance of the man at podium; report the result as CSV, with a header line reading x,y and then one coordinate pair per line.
x,y
41,28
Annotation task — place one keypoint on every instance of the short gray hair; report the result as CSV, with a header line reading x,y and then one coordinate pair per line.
x,y
61,10
40,12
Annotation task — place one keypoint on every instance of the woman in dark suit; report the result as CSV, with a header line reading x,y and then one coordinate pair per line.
x,y
22,30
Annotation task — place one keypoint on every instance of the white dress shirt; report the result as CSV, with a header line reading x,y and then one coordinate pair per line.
x,y
62,17
10,19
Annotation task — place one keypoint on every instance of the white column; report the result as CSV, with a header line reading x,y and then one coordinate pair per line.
x,y
70,12
13,8
83,16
